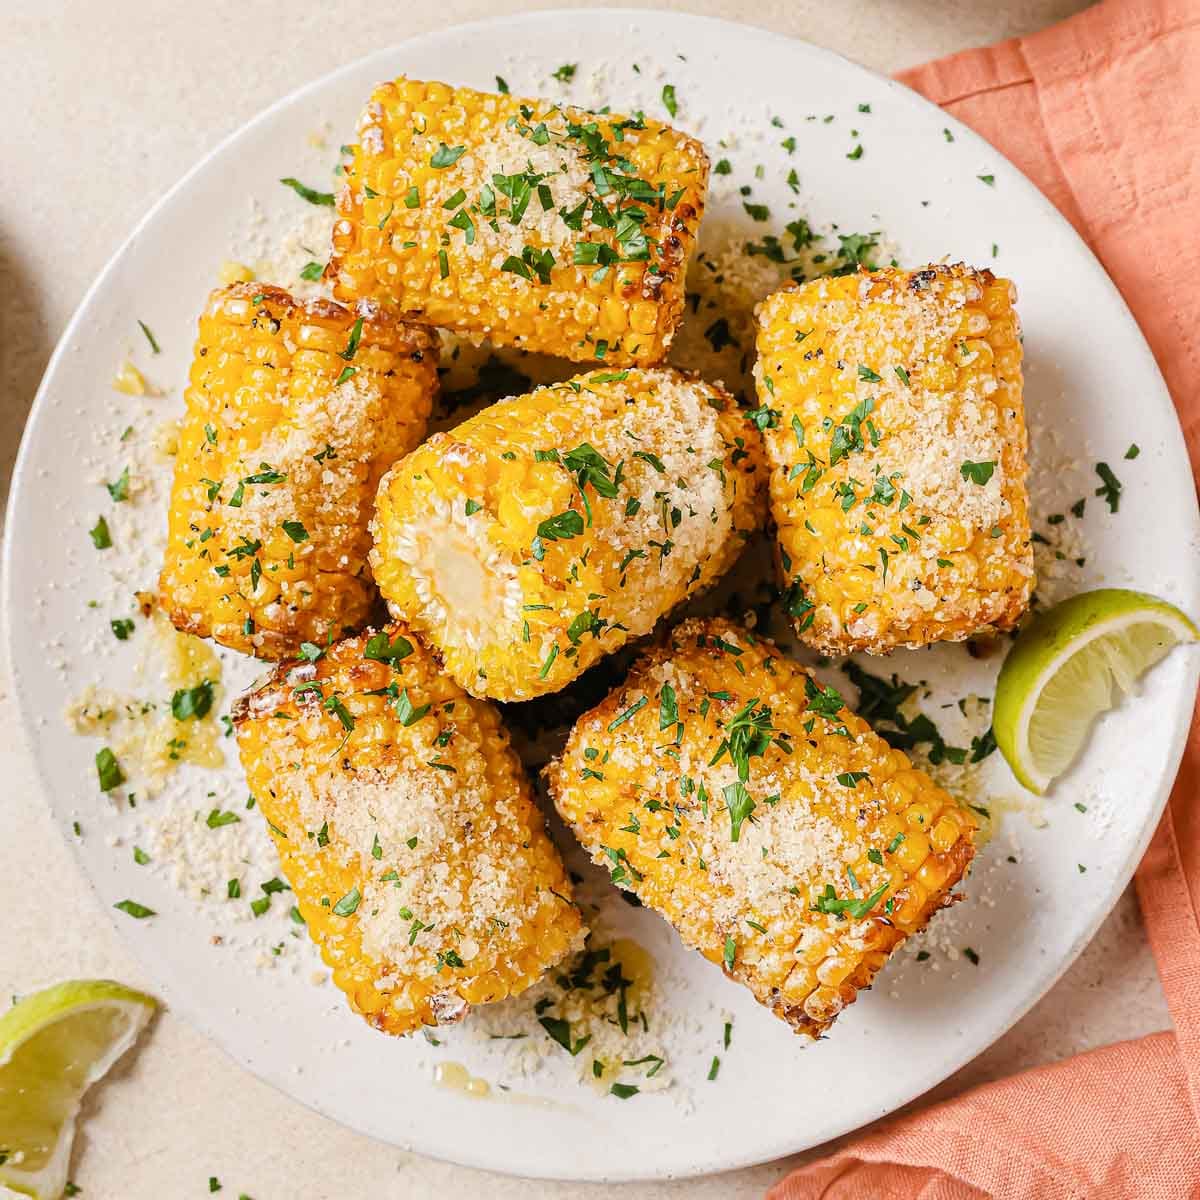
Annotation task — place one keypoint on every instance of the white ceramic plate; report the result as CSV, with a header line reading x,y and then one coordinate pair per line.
x,y
1090,379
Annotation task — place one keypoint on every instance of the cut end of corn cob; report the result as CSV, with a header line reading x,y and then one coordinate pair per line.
x,y
745,803
407,831
294,411
897,450
523,222
548,530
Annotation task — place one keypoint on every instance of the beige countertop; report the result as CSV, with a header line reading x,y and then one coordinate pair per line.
x,y
106,105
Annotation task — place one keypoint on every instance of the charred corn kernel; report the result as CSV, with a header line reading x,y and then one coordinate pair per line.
x,y
748,806
897,454
406,828
294,411
523,221
548,530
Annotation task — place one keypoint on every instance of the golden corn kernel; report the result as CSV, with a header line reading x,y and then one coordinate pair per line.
x,y
423,227
548,530
748,859
897,456
383,849
294,411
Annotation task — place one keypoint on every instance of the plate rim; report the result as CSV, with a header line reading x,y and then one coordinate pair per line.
x,y
715,26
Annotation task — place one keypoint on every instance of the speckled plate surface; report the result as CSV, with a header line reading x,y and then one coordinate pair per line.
x,y
1042,885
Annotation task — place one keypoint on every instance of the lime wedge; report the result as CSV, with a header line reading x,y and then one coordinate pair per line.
x,y
1068,665
53,1046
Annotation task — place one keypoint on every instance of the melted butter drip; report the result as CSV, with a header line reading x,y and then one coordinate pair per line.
x,y
457,1078
637,966
147,740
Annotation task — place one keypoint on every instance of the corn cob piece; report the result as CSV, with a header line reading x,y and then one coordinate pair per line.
x,y
745,803
897,456
548,530
406,828
294,411
523,222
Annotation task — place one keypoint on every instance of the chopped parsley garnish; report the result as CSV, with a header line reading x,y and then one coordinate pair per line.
x,y
565,73
978,472
446,156
347,906
970,955
307,193
560,1031
623,1091
747,735
856,153
154,346
668,707
380,649
668,99
108,770
352,342
501,85
740,805
312,271
122,628
718,334
589,466
218,819
825,702
990,180
764,417
406,712
295,530
628,714
1133,451
532,262
192,702
847,436
100,536
828,902
133,909
567,524
334,705
1110,487
730,952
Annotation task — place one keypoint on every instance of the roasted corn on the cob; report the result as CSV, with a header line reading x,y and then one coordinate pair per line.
x,y
406,828
550,529
294,411
764,820
523,222
897,450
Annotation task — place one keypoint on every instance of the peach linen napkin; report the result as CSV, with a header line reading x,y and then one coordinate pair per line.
x,y
1102,112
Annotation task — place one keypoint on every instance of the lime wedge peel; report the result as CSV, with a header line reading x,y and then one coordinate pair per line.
x,y
54,1045
1070,664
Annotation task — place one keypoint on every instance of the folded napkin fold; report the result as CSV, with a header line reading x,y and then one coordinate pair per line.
x,y
1102,112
